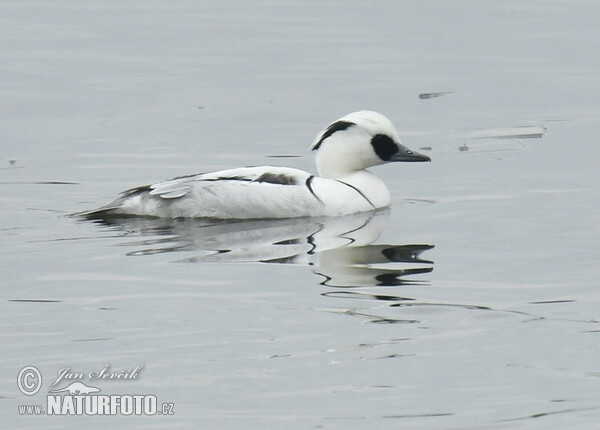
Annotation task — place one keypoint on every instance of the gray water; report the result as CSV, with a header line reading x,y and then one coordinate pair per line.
x,y
472,303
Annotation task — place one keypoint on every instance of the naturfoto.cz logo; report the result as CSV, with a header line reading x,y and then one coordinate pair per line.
x,y
78,398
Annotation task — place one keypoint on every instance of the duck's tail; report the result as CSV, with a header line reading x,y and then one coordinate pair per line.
x,y
114,208
99,213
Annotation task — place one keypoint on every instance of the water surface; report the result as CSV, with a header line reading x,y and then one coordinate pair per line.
x,y
471,303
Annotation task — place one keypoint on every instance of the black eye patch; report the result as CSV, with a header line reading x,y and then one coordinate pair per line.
x,y
384,146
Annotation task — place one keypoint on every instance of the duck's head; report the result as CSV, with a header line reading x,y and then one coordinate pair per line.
x,y
357,141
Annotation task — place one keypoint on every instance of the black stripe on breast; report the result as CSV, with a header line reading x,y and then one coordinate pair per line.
x,y
358,191
308,185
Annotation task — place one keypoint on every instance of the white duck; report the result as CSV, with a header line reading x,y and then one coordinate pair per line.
x,y
344,151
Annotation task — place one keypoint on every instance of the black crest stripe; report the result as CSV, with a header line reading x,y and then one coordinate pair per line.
x,y
336,126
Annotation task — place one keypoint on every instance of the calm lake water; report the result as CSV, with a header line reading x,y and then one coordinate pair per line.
x,y
472,303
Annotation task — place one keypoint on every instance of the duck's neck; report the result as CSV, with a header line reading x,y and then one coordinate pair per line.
x,y
373,188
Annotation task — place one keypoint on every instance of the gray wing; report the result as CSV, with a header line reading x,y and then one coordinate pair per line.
x,y
180,186
250,192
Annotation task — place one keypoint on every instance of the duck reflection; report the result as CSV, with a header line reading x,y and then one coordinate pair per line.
x,y
363,276
340,250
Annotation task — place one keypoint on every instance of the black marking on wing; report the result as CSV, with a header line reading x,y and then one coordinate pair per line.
x,y
143,188
227,178
136,190
358,191
279,179
308,182
186,176
336,126
148,188
270,178
384,146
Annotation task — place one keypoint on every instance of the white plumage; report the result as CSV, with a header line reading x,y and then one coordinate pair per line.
x,y
344,151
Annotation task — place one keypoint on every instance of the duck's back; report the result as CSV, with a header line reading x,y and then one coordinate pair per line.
x,y
252,192
244,193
